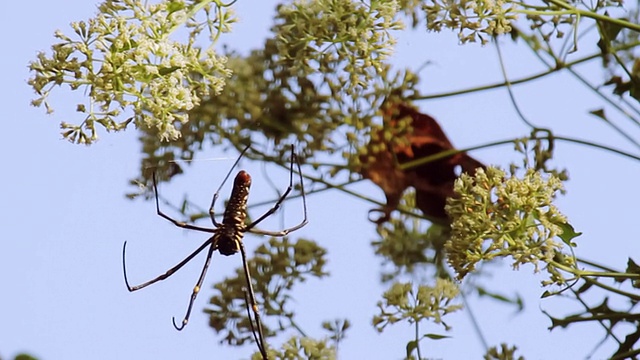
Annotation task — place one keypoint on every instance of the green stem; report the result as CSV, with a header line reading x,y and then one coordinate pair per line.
x,y
608,317
591,263
449,153
585,273
526,79
340,187
598,146
611,289
613,104
417,335
512,96
544,12
531,42
474,321
297,327
307,193
596,16
606,327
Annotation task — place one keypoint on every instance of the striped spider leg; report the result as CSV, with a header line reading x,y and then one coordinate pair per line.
x,y
227,238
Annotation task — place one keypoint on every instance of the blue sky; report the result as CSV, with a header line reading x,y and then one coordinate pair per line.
x,y
65,216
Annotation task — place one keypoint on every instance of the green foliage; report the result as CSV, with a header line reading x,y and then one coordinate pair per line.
x,y
276,268
25,357
404,304
301,348
504,353
337,329
313,34
472,18
614,311
408,246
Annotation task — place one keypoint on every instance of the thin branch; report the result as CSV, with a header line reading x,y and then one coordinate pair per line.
x,y
594,15
551,70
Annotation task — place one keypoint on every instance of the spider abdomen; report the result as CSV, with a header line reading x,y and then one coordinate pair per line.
x,y
236,212
233,223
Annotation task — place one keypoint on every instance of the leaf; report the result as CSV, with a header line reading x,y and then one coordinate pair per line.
x,y
568,234
632,86
436,336
167,70
503,298
599,113
620,86
584,288
608,32
407,138
632,267
25,357
411,346
626,348
635,81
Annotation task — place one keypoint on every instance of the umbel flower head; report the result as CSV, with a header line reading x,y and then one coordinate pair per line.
x,y
495,216
402,302
126,61
474,19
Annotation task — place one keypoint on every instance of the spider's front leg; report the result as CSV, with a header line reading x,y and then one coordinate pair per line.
x,y
251,227
175,222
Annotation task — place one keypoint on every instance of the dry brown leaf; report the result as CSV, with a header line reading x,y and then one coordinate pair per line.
x,y
433,181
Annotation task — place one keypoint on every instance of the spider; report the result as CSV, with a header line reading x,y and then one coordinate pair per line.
x,y
227,239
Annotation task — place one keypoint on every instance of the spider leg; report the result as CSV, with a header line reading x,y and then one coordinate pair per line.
x,y
196,290
166,274
250,227
217,194
175,222
250,300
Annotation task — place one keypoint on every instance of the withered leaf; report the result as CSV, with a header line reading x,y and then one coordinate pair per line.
x,y
414,136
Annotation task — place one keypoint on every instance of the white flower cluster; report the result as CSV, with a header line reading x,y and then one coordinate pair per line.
x,y
128,61
498,216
